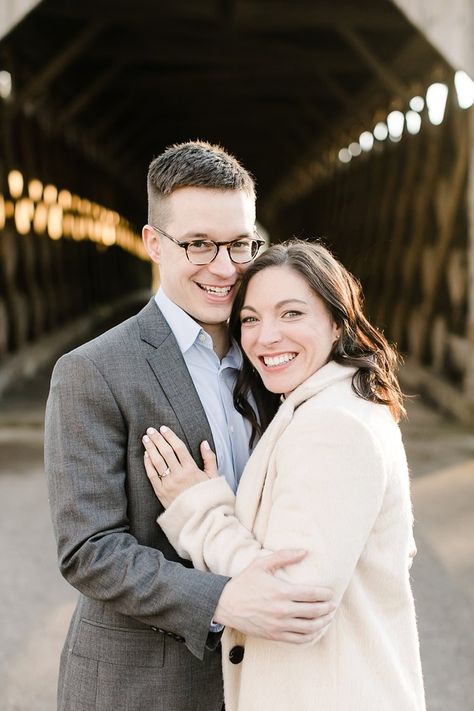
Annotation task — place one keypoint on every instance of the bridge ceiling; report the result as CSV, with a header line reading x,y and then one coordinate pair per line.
x,y
269,79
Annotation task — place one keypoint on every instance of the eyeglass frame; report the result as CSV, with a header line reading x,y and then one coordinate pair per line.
x,y
184,245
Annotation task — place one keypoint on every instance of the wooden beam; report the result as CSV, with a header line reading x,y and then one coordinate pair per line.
x,y
418,234
90,92
42,79
469,376
363,105
225,11
447,201
106,121
379,68
252,56
335,88
248,14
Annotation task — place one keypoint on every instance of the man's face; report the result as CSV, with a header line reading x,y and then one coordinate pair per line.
x,y
205,292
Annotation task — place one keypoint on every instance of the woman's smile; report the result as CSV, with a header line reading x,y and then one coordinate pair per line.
x,y
287,331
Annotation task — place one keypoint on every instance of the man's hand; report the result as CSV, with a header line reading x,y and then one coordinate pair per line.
x,y
260,605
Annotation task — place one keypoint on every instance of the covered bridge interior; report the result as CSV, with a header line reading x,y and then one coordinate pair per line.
x,y
354,125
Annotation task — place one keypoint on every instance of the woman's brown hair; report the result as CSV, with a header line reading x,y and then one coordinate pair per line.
x,y
359,345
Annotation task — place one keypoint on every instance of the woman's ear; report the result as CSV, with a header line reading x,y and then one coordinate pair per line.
x,y
152,243
336,332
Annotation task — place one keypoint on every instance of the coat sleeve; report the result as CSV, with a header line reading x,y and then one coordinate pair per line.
x,y
326,497
86,467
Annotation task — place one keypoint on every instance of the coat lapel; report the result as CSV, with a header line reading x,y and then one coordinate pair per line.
x,y
253,479
170,370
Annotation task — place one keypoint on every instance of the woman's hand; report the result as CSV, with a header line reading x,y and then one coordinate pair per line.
x,y
170,467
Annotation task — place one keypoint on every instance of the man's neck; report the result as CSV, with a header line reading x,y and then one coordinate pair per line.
x,y
220,337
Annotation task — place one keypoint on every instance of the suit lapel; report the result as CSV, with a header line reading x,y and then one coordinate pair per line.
x,y
168,365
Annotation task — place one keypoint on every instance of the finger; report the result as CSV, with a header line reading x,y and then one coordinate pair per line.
x,y
165,450
307,593
152,475
298,638
281,558
209,460
177,444
156,459
304,631
311,610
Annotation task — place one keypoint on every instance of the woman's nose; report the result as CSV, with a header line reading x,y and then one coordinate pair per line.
x,y
269,333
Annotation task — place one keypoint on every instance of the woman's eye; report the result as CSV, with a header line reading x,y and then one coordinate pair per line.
x,y
248,319
291,314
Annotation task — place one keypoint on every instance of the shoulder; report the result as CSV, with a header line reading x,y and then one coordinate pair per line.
x,y
341,402
118,343
337,419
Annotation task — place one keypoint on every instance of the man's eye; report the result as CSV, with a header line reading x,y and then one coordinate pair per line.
x,y
200,245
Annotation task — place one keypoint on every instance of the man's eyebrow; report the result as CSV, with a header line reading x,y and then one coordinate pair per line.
x,y
204,235
278,305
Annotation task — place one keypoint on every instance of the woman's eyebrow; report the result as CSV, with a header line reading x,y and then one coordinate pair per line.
x,y
290,301
278,305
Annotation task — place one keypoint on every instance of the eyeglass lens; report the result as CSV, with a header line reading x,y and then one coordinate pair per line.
x,y
203,251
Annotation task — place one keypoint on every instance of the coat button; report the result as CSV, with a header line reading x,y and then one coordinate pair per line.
x,y
236,654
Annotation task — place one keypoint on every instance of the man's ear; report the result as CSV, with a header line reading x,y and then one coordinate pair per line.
x,y
152,243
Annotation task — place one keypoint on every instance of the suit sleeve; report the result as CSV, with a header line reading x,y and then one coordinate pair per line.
x,y
326,497
86,464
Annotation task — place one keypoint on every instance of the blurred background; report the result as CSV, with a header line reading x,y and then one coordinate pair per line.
x,y
356,119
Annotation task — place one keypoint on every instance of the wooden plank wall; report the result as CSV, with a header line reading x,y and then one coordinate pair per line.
x,y
399,218
45,283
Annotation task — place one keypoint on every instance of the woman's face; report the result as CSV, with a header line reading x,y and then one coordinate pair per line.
x,y
287,331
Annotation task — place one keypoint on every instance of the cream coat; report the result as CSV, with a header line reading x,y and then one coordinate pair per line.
x,y
329,475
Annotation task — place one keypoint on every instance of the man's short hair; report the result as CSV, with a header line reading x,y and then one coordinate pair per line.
x,y
193,164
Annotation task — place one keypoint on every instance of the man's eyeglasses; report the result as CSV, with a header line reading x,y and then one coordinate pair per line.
x,y
204,251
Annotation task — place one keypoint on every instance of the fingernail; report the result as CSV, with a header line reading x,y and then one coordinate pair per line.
x,y
151,431
163,428
145,438
205,444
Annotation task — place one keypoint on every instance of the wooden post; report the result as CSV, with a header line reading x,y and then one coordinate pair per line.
x,y
469,375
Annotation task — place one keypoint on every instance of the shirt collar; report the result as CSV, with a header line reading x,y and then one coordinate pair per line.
x,y
234,357
185,329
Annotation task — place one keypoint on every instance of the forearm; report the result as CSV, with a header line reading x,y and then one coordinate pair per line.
x,y
138,581
201,524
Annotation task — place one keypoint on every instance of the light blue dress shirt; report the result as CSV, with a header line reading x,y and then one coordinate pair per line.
x,y
214,381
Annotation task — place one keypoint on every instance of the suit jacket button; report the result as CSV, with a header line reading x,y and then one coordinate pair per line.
x,y
236,654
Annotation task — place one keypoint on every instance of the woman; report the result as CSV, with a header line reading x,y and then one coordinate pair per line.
x,y
329,475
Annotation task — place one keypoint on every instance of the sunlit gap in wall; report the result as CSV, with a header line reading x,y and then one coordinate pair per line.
x,y
436,97
395,124
464,89
413,122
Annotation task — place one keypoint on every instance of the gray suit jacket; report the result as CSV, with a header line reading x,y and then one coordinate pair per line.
x,y
138,637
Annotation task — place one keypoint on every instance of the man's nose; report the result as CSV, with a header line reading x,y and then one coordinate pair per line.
x,y
222,265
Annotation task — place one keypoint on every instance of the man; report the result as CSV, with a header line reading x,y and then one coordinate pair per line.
x,y
145,630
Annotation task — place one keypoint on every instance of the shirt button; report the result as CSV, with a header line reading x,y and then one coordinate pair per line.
x,y
236,654
202,337
231,429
